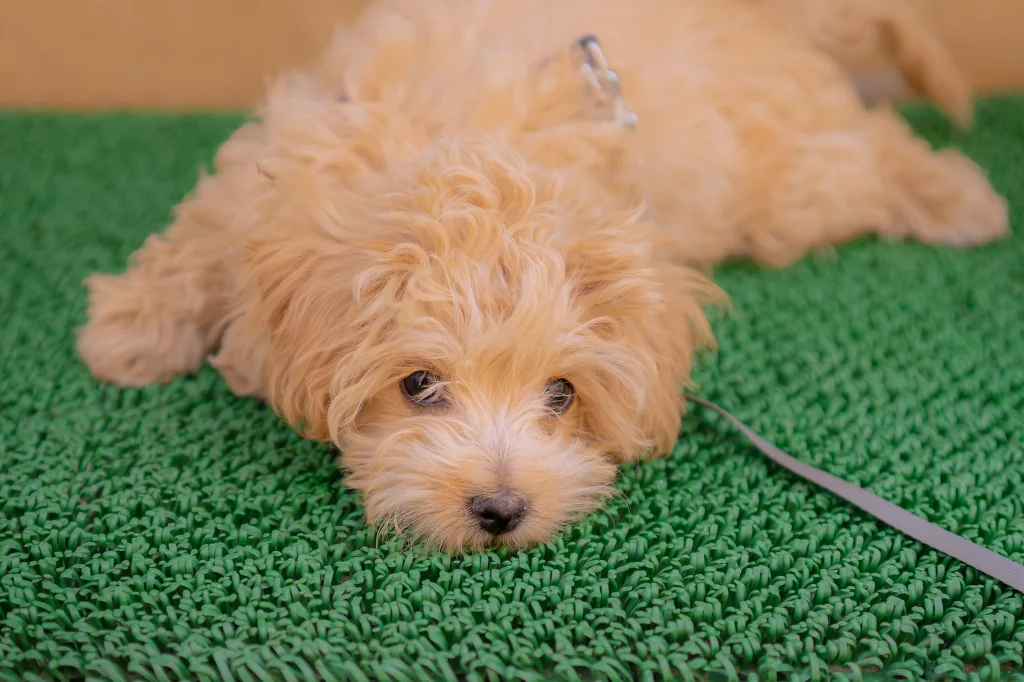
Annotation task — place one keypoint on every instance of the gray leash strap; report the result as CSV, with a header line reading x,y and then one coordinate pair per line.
x,y
999,567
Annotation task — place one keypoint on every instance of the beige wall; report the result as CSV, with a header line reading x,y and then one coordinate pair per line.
x,y
218,53
156,53
985,36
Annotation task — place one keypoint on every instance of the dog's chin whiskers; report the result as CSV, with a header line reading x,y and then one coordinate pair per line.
x,y
386,528
615,493
593,497
445,532
393,523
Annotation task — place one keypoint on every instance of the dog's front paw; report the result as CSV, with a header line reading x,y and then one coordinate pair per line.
x,y
127,342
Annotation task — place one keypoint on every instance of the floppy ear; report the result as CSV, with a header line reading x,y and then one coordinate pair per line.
x,y
313,317
649,316
280,345
670,335
312,295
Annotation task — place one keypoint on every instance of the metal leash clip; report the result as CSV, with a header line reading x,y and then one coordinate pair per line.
x,y
603,80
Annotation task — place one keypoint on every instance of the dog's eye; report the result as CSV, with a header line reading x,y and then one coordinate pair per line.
x,y
561,395
422,388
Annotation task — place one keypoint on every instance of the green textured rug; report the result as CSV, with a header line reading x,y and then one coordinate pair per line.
x,y
179,532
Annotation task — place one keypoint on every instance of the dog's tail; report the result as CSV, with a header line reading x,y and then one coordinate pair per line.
x,y
873,35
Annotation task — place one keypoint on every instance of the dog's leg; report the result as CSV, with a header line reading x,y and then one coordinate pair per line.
x,y
164,314
939,197
867,35
156,320
876,178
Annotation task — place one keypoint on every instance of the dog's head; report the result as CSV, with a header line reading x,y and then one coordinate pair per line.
x,y
479,322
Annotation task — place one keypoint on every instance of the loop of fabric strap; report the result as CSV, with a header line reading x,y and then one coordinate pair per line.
x,y
988,562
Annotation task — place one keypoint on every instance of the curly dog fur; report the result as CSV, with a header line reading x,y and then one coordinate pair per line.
x,y
442,195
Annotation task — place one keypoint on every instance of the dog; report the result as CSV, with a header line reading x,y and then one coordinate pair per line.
x,y
472,246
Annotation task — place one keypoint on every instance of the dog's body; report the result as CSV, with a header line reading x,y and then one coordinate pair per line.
x,y
440,250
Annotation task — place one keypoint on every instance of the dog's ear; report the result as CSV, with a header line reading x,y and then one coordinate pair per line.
x,y
312,312
648,315
309,304
670,337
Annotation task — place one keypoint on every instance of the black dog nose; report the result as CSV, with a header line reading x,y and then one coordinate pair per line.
x,y
499,513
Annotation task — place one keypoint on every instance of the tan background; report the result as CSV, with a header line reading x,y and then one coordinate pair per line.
x,y
218,53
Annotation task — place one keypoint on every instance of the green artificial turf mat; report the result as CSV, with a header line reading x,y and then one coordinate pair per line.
x,y
179,532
